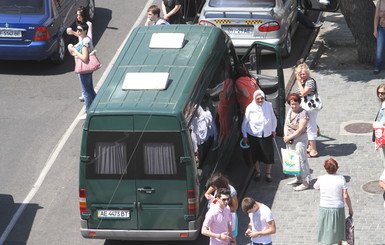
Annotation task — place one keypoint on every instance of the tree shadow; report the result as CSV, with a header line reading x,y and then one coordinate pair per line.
x,y
20,232
339,55
46,67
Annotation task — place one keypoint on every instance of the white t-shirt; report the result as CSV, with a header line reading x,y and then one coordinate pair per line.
x,y
260,221
331,187
202,127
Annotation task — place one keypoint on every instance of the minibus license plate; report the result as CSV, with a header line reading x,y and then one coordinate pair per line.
x,y
114,214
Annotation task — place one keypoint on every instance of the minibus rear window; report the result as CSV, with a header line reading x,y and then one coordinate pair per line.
x,y
159,159
130,155
110,158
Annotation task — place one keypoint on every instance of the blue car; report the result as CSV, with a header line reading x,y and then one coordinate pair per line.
x,y
36,29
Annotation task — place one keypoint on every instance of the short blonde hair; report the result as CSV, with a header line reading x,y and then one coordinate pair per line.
x,y
302,67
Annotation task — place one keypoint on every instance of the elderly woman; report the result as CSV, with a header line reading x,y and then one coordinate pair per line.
x,y
295,138
307,86
333,190
258,129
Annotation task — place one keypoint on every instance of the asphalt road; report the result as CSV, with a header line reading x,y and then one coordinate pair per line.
x,y
40,136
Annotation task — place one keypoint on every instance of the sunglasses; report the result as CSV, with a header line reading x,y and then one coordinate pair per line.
x,y
225,199
381,93
79,29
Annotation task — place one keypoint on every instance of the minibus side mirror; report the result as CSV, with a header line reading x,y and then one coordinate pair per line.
x,y
85,158
185,160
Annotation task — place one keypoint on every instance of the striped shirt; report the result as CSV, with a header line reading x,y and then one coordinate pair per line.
x,y
310,83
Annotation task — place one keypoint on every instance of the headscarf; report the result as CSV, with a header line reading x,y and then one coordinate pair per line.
x,y
254,106
257,117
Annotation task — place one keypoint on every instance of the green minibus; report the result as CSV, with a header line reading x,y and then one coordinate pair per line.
x,y
140,177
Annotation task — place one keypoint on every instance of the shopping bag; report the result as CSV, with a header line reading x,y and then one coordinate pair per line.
x,y
379,135
290,162
349,230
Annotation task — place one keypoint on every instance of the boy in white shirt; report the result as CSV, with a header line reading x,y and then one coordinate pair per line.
x,y
262,224
153,16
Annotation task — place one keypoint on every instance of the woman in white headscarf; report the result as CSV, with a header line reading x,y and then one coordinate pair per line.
x,y
258,129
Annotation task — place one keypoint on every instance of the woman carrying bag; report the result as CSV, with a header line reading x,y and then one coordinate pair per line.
x,y
81,52
381,114
333,196
307,86
295,137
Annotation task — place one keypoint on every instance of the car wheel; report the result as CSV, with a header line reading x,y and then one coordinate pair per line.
x,y
58,56
286,51
91,9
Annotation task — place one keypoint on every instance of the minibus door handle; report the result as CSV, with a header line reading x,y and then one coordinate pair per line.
x,y
146,190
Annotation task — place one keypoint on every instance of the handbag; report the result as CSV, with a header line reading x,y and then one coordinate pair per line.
x,y
312,102
92,65
349,230
290,162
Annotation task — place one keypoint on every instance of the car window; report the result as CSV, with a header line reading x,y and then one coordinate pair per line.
x,y
22,7
242,3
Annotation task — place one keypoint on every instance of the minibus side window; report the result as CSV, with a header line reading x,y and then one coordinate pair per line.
x,y
159,159
110,158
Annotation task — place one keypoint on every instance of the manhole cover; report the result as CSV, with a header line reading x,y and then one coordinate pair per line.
x,y
359,128
373,187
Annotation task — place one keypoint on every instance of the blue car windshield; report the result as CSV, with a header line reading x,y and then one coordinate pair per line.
x,y
22,7
242,3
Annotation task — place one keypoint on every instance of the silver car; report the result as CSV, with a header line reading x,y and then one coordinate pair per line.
x,y
246,21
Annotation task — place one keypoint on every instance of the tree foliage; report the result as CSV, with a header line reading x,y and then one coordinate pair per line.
x,y
359,15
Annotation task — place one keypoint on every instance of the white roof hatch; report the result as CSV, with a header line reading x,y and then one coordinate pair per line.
x,y
145,81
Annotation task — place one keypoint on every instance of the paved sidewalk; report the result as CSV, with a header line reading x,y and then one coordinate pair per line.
x,y
348,93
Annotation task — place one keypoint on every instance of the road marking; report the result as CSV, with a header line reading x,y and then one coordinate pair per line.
x,y
55,153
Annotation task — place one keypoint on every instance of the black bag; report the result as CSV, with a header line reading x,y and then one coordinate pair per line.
x,y
373,136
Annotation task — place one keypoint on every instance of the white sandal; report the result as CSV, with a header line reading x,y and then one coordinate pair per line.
x,y
294,182
301,187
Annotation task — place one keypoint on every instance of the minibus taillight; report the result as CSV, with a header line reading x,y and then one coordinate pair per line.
x,y
82,201
269,26
191,202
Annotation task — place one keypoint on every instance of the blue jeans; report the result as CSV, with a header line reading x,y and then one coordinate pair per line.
x,y
87,89
380,48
